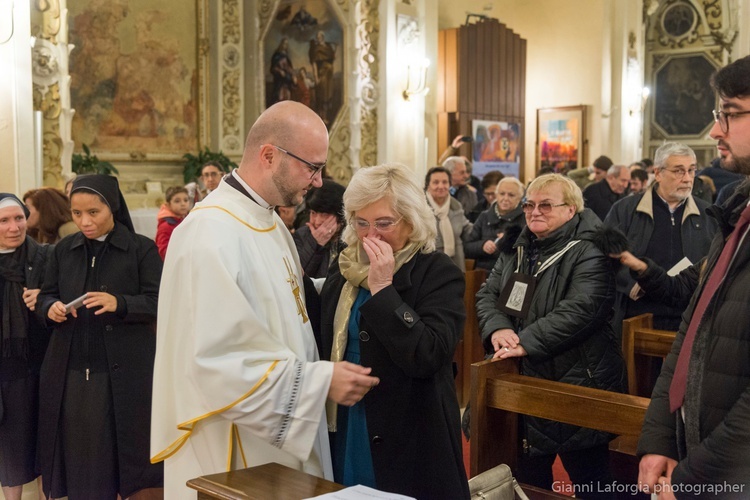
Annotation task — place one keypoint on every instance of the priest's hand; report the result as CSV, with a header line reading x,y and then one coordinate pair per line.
x,y
103,300
382,263
350,383
57,312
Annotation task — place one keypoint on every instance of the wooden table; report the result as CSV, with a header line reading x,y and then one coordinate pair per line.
x,y
262,482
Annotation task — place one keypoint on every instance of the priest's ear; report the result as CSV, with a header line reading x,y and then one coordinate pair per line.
x,y
267,154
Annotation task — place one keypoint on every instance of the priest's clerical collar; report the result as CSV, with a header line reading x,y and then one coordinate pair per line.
x,y
258,198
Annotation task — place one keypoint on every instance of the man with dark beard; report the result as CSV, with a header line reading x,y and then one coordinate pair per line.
x,y
695,440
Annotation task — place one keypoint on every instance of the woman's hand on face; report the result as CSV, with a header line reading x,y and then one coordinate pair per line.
x,y
382,263
103,300
29,297
325,230
57,312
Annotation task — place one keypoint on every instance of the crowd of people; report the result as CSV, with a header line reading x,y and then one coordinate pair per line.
x,y
304,323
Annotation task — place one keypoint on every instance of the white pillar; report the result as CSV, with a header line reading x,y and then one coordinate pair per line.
x,y
17,172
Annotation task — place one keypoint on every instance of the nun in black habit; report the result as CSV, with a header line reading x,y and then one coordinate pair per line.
x,y
96,376
23,339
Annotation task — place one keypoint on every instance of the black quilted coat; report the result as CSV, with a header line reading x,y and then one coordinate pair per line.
x,y
567,334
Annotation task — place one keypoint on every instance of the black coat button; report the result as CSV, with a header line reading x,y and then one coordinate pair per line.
x,y
377,440
408,317
115,367
108,328
364,336
103,288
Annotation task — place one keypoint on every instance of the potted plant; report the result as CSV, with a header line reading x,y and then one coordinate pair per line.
x,y
87,163
194,163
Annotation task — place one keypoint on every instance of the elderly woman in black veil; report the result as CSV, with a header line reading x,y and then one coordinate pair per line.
x,y
23,341
96,376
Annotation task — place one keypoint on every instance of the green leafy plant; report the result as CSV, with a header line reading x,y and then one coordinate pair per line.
x,y
194,163
87,163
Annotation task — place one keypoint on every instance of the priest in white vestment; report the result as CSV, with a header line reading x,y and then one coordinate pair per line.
x,y
237,380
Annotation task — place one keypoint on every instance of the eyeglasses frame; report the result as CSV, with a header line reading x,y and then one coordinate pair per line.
x,y
315,168
724,124
536,205
391,227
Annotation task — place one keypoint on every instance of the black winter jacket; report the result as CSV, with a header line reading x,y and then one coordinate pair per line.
x,y
487,227
567,334
713,445
409,332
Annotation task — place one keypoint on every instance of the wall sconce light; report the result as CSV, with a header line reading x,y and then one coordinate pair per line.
x,y
416,80
638,102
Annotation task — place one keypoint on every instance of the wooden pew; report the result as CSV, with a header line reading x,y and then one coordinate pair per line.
x,y
469,350
640,342
499,394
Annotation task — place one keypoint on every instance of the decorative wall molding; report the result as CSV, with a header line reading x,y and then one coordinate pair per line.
x,y
50,57
368,34
231,109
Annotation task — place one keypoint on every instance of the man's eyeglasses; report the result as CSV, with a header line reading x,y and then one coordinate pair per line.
x,y
315,168
722,118
381,225
544,207
680,173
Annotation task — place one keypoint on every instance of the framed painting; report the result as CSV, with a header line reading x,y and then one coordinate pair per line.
x,y
496,147
303,55
561,138
138,78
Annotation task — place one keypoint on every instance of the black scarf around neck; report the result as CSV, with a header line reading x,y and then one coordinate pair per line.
x,y
14,325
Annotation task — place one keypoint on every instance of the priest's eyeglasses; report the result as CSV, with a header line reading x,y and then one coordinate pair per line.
x,y
380,225
722,118
544,207
315,168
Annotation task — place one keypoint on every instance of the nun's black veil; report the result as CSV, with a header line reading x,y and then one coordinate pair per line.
x,y
108,188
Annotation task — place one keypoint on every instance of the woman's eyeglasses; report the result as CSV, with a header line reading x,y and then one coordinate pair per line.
x,y
544,207
381,226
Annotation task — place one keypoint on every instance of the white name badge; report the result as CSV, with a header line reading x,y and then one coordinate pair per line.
x,y
515,299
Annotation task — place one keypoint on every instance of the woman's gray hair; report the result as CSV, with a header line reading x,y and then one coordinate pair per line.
x,y
671,149
571,192
512,180
400,187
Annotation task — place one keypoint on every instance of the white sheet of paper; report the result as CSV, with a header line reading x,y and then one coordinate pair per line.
x,y
677,268
360,492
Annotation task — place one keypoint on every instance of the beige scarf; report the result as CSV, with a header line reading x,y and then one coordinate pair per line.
x,y
444,224
355,267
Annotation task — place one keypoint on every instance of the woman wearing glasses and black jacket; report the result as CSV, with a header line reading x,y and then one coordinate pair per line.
x,y
548,301
393,304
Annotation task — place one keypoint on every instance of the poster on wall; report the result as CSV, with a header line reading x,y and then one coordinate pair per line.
x,y
304,57
560,138
496,147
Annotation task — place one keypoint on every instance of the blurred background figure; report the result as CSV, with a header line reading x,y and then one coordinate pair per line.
x,y
171,213
319,240
24,340
460,189
287,214
392,303
487,188
49,215
484,241
452,226
638,181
